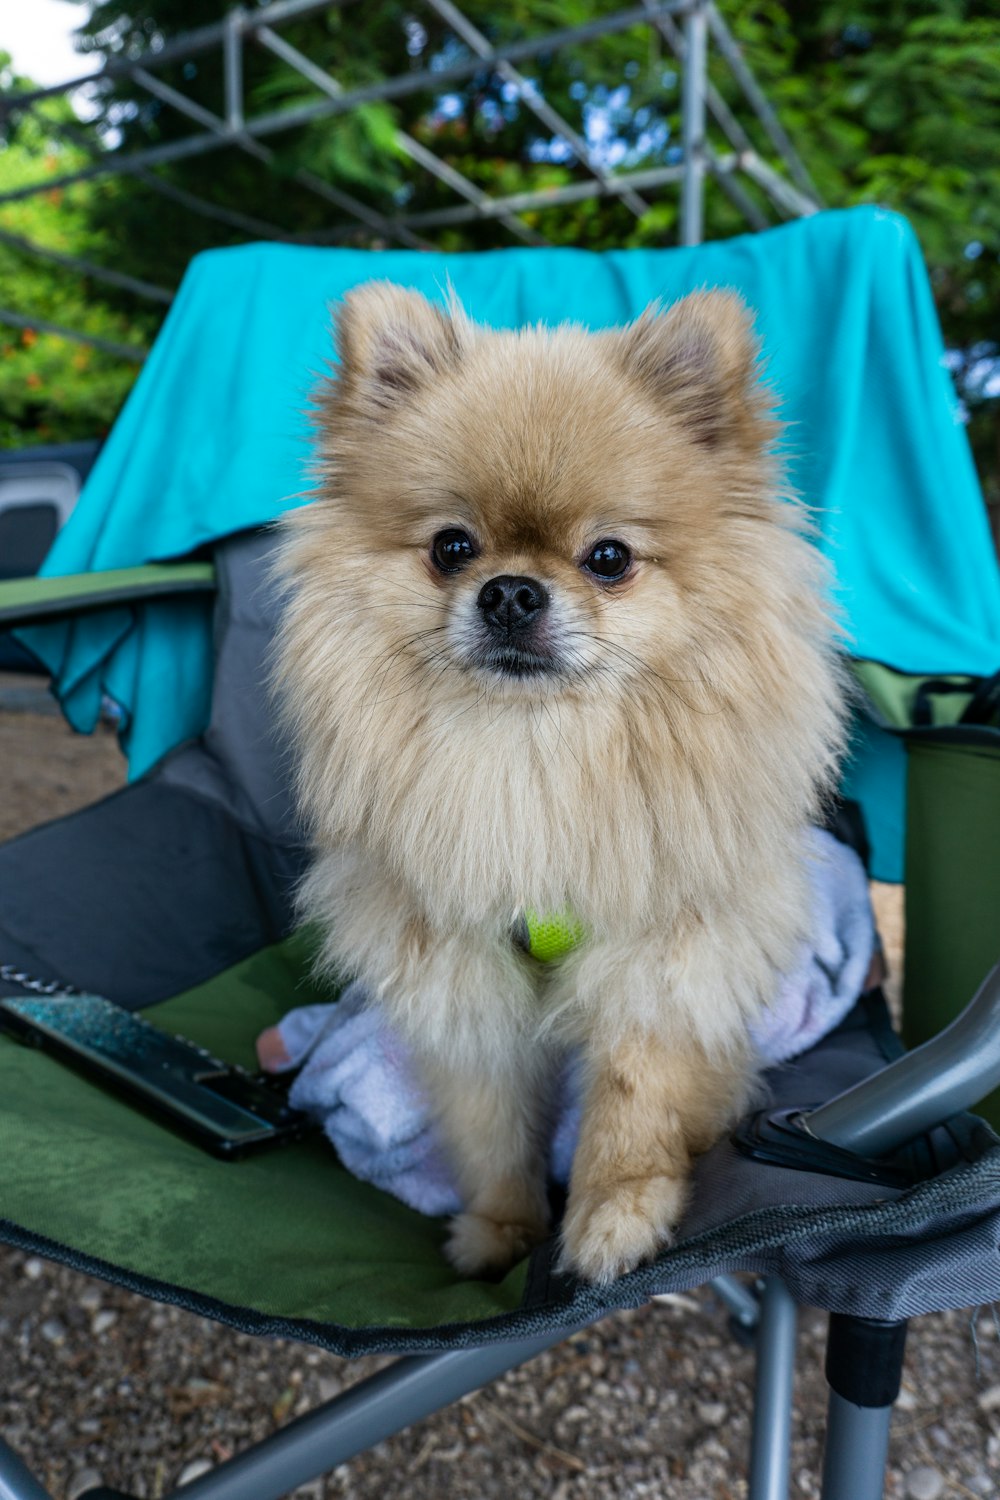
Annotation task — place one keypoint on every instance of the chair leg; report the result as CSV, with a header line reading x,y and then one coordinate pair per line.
x,y
744,1307
864,1364
361,1416
772,1415
16,1480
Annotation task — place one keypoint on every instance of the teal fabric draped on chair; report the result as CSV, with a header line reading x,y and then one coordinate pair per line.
x,y
215,438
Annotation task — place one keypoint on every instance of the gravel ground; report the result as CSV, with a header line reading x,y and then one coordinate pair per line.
x,y
98,1385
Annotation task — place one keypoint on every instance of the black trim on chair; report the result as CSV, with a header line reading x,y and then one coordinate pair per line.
x,y
864,1359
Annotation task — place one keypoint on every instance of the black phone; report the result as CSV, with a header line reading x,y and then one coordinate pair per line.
x,y
219,1106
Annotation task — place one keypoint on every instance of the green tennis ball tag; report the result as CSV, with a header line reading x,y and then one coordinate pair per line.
x,y
552,937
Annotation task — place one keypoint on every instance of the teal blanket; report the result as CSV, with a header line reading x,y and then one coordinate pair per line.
x,y
214,436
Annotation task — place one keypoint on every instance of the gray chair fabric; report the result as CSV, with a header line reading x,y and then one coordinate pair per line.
x,y
189,869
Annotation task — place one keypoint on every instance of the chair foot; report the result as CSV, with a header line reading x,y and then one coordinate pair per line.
x,y
864,1365
772,1412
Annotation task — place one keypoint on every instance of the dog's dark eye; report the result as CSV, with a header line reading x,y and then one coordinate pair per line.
x,y
608,560
452,549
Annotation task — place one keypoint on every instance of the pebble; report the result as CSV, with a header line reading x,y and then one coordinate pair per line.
x,y
667,1439
924,1484
82,1481
33,1268
53,1330
712,1413
102,1321
906,1400
194,1470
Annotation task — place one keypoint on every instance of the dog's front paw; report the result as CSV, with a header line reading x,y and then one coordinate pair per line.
x,y
610,1230
478,1244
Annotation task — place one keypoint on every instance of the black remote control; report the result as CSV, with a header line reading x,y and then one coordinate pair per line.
x,y
221,1107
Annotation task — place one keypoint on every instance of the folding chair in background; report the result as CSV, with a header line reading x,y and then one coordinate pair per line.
x,y
863,1188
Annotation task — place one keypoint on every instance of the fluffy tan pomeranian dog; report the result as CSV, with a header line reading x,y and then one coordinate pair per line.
x,y
554,643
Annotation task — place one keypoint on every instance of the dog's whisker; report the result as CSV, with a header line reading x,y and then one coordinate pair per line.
x,y
393,656
652,677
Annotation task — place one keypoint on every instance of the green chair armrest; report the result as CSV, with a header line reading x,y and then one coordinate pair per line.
x,y
36,601
889,696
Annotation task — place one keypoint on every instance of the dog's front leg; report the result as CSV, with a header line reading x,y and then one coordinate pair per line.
x,y
468,1006
491,1121
465,1001
471,1021
657,1095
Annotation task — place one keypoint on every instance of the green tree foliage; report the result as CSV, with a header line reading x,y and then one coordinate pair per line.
x,y
899,103
891,101
52,388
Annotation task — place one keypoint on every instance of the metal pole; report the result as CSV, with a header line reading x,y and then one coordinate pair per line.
x,y
729,48
242,142
389,88
864,1366
573,192
741,1302
735,192
330,86
693,124
772,1414
45,325
190,108
365,1414
777,189
951,1072
528,92
730,126
245,223
16,1480
87,268
857,1441
465,189
233,57
188,44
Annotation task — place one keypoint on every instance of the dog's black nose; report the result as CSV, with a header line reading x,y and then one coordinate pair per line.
x,y
511,603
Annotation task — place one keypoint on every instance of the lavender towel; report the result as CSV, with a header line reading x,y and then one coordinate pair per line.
x,y
358,1079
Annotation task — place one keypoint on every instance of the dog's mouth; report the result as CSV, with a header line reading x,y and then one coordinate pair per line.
x,y
519,663
529,652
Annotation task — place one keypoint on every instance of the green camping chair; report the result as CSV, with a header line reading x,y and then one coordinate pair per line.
x,y
173,896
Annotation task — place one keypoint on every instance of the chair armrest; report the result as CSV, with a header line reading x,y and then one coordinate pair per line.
x,y
951,1072
36,601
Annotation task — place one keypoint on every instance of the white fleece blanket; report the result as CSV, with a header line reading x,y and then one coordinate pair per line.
x,y
359,1081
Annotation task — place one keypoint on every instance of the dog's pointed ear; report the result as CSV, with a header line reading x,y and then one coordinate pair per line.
x,y
699,359
391,342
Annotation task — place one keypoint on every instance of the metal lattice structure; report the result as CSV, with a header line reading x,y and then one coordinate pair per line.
x,y
689,28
